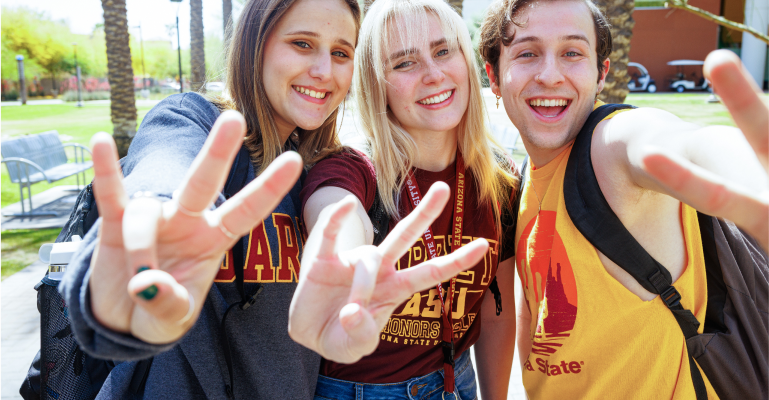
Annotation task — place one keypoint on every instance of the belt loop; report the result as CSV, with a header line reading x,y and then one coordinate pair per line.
x,y
358,391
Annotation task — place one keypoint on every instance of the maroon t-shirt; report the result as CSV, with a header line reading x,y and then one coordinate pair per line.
x,y
410,343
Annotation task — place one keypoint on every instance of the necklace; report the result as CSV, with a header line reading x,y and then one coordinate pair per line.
x,y
539,202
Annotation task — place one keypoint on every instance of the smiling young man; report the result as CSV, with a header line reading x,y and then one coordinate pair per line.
x,y
588,329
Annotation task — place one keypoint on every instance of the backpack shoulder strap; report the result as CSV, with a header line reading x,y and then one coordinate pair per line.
x,y
594,218
379,218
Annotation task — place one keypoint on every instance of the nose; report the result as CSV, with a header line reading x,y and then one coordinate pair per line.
x,y
321,68
433,73
551,74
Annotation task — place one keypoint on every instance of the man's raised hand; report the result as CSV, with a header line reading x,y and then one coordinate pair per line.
x,y
748,207
154,261
344,299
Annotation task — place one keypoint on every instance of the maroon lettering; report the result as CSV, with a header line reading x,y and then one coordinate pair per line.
x,y
226,271
575,367
542,365
259,266
288,269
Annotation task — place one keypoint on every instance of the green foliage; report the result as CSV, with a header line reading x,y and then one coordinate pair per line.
x,y
20,248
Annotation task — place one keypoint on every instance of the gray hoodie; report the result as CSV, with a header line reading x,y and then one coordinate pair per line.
x,y
267,364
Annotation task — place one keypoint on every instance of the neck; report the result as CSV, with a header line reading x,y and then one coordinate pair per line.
x,y
541,157
437,150
284,130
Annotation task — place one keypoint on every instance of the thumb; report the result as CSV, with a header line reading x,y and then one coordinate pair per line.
x,y
363,335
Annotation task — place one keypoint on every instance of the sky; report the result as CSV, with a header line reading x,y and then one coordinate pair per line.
x,y
153,15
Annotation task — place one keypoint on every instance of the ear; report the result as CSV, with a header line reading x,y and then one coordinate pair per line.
x,y
605,72
492,80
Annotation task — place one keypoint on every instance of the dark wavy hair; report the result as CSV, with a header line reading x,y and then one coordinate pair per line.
x,y
502,13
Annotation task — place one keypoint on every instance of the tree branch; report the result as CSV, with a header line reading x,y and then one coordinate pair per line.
x,y
683,4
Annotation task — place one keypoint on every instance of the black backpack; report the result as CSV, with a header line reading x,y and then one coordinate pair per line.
x,y
733,350
68,371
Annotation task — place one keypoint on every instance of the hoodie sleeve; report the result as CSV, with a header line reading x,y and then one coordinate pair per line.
x,y
169,139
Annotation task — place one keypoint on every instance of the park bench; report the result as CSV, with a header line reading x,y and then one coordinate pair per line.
x,y
36,158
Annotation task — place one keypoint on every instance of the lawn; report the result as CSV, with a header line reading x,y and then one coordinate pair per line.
x,y
75,125
20,248
691,107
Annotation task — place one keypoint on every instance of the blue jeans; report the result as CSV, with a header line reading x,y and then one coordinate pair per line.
x,y
427,387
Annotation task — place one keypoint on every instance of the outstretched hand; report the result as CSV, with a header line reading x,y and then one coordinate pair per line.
x,y
154,261
705,191
344,299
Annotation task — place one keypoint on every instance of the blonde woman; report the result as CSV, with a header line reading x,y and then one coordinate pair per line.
x,y
418,94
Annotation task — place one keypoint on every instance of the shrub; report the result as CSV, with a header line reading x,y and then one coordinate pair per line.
x,y
71,95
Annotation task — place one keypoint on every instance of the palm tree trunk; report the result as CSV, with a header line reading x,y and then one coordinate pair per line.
x,y
120,74
227,21
198,54
457,5
620,16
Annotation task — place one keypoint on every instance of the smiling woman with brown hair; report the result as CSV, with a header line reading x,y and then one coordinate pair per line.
x,y
149,280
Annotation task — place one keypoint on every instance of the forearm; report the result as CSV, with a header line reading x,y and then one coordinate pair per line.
x,y
356,229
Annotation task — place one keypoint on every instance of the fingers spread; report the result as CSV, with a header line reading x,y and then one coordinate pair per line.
x,y
741,96
437,270
411,228
209,170
108,188
140,230
249,207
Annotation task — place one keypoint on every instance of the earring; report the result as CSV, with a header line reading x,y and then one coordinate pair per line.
x,y
498,97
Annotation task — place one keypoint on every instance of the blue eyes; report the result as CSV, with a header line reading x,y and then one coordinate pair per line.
x,y
405,64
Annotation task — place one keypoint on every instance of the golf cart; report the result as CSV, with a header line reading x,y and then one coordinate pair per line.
x,y
640,81
681,81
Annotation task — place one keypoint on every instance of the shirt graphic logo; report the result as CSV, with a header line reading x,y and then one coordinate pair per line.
x,y
548,281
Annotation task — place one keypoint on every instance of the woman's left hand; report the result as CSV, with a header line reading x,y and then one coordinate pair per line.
x,y
344,299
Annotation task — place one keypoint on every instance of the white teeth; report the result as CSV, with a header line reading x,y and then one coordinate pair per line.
x,y
311,93
548,103
437,99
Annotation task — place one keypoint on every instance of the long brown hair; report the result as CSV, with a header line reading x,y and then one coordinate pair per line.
x,y
245,90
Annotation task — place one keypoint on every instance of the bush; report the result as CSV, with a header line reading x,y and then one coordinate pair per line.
x,y
10,95
71,95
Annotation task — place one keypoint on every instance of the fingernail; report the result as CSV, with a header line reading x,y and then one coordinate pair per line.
x,y
142,269
148,293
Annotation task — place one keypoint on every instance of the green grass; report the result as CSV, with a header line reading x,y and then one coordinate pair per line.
x,y
19,248
75,125
691,107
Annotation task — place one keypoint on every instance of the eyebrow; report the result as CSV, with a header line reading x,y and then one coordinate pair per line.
x,y
315,35
401,53
562,38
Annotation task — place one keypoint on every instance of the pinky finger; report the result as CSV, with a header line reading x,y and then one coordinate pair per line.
x,y
712,195
437,270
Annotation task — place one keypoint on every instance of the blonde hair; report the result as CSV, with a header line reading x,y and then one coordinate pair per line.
x,y
245,91
392,148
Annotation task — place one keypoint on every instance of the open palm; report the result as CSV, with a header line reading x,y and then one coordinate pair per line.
x,y
154,261
748,207
344,299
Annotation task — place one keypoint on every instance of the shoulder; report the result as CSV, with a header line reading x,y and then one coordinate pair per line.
x,y
345,159
349,169
184,106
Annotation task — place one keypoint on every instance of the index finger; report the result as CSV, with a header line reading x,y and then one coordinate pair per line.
x,y
108,188
742,97
209,170
411,228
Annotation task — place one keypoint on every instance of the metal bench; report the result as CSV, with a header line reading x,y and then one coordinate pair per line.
x,y
36,158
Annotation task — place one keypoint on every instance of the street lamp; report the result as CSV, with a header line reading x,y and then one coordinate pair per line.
x,y
179,46
22,80
77,71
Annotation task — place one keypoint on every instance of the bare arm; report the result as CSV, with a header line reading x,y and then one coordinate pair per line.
x,y
356,230
495,347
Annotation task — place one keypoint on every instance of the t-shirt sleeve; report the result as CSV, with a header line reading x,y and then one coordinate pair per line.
x,y
350,170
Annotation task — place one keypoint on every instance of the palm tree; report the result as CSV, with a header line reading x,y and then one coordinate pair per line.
x,y
457,5
227,21
198,54
120,74
620,16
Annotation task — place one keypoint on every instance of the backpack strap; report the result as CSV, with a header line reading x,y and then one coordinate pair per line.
x,y
379,218
594,218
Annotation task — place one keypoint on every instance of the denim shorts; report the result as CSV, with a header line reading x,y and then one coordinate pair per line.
x,y
427,387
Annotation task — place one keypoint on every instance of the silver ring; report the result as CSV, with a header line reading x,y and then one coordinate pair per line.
x,y
227,232
144,194
189,312
187,212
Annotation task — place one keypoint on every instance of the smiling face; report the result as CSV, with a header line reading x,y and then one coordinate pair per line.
x,y
308,63
428,84
548,77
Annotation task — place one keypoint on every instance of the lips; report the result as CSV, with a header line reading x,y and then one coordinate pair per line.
x,y
436,99
549,108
